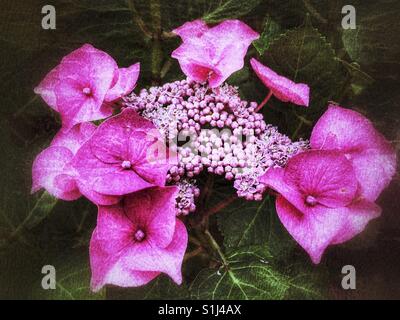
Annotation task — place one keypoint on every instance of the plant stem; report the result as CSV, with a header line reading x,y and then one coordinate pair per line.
x,y
314,11
156,52
217,248
221,205
138,19
264,101
193,253
296,132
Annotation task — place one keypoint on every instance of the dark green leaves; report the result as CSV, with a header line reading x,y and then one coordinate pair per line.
x,y
270,32
160,288
246,224
376,38
40,211
230,9
249,275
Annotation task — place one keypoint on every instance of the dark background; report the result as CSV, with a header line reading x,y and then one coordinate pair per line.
x,y
366,78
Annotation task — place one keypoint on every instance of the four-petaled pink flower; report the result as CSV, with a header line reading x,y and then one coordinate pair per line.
x,y
136,241
124,155
282,88
319,202
372,156
52,170
215,53
82,87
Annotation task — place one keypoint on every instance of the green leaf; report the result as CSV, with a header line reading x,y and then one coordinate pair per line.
x,y
271,31
252,223
159,289
249,274
230,9
375,40
304,55
41,210
245,224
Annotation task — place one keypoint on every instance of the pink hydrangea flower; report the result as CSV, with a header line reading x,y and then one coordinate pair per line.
x,y
319,202
372,156
51,169
215,53
124,155
281,87
82,86
132,244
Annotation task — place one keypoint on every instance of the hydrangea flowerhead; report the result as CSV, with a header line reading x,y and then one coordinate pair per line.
x,y
213,54
136,241
51,169
372,156
82,85
319,202
124,155
282,88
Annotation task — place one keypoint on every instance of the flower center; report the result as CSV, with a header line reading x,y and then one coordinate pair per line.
x,y
87,91
139,235
126,164
311,201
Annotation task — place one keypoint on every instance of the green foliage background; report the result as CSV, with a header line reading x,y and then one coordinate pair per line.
x,y
248,255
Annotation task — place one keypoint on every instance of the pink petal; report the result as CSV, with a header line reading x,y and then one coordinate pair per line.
x,y
275,179
191,29
315,230
87,189
230,61
231,32
150,156
361,212
125,82
373,158
194,58
281,87
119,183
46,88
48,171
74,138
89,63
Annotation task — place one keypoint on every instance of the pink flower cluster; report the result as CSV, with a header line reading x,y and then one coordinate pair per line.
x,y
138,167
